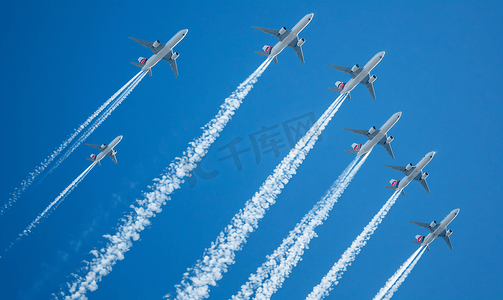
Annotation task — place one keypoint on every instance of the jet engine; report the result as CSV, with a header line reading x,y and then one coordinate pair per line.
x,y
372,129
156,44
175,55
448,232
433,224
372,78
408,167
282,30
355,68
425,175
301,42
389,139
103,146
114,152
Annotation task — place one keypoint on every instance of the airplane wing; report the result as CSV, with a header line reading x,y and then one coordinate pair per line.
x,y
298,49
112,156
425,225
447,240
347,70
172,62
274,32
370,87
401,169
97,146
386,146
148,45
422,181
363,132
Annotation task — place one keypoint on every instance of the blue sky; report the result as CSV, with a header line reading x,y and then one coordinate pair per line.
x,y
62,60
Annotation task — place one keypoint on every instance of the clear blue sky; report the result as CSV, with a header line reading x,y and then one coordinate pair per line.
x,y
62,60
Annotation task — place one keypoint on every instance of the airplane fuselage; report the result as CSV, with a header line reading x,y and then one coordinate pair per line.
x,y
419,167
382,133
154,59
291,36
353,82
442,226
109,148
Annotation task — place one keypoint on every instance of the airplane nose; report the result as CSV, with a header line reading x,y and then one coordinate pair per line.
x,y
382,53
431,154
311,15
456,211
398,114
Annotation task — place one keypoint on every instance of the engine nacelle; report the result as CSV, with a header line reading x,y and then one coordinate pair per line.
x,y
103,146
282,30
389,139
175,55
448,232
433,224
355,68
372,78
419,238
156,44
114,152
372,129
425,175
408,167
301,42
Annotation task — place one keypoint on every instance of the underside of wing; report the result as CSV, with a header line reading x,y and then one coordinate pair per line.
x,y
149,45
358,131
370,88
172,62
425,185
274,32
425,225
112,156
343,69
402,169
447,241
387,146
100,147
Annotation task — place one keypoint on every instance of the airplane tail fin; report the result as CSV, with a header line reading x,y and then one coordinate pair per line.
x,y
356,148
93,158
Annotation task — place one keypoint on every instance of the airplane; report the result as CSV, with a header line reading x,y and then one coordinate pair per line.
x,y
105,150
412,173
436,230
161,51
286,38
375,136
358,75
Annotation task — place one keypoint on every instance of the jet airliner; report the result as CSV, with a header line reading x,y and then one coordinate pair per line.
x,y
105,151
161,51
286,38
436,230
412,173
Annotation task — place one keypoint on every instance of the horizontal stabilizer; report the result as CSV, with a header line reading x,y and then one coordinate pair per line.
x,y
391,187
138,65
89,159
351,151
416,242
262,53
335,89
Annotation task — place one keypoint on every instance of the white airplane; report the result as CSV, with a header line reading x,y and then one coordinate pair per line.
x,y
161,51
105,150
286,38
358,75
436,230
412,173
375,136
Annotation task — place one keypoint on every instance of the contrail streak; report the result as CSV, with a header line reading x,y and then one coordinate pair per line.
x,y
97,122
220,255
271,274
139,217
54,203
395,287
39,169
325,286
395,276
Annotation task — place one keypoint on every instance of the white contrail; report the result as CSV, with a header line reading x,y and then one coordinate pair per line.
x,y
325,286
39,169
97,122
220,255
139,218
280,264
395,276
395,287
56,201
